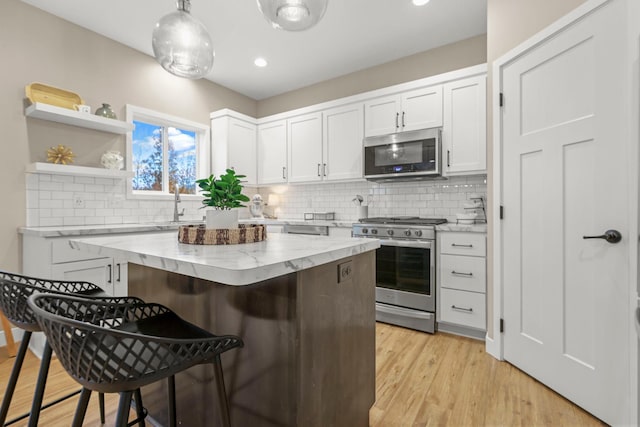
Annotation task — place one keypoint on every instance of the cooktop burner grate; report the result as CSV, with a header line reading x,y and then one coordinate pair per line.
x,y
411,220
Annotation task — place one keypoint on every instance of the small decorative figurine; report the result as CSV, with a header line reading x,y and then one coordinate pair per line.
x,y
60,155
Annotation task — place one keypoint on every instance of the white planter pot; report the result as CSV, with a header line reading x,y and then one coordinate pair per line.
x,y
227,218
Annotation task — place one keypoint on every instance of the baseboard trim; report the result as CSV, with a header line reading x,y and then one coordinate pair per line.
x,y
493,347
17,336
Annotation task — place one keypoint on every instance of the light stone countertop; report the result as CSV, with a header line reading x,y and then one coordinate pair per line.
x,y
237,265
88,230
468,228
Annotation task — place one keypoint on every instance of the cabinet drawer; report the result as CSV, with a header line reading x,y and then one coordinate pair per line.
x,y
465,273
463,308
62,252
463,244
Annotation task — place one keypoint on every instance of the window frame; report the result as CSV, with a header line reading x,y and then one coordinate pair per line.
x,y
203,149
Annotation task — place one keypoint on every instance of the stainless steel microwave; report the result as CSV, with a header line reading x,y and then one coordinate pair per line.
x,y
405,155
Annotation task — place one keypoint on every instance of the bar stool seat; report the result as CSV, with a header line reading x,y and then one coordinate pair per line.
x,y
119,347
14,291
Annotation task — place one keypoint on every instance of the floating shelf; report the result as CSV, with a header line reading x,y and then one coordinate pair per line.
x,y
52,113
56,169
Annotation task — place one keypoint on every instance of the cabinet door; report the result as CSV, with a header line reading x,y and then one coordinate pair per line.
x,y
305,148
343,133
464,132
382,116
272,153
242,149
421,109
100,272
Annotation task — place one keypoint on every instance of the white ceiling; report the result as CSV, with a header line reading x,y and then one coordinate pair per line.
x,y
353,35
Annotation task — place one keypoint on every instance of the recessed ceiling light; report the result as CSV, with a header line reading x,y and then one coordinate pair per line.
x,y
420,2
260,62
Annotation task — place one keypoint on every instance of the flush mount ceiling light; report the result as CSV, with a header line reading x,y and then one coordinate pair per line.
x,y
293,15
182,44
420,2
260,62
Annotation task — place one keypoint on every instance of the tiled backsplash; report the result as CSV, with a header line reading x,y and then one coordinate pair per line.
x,y
54,200
433,198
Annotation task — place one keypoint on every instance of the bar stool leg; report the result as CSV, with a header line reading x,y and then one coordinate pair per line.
x,y
222,394
8,335
13,379
101,404
137,395
81,409
122,417
171,382
42,382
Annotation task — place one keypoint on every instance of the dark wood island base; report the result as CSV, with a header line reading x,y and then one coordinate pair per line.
x,y
309,354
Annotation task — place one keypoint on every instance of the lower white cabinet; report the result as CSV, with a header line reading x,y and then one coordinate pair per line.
x,y
462,283
53,258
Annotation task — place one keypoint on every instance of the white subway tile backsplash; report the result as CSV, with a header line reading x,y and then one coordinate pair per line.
x,y
50,200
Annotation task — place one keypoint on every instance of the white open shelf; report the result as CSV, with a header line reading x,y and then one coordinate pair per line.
x,y
57,169
52,113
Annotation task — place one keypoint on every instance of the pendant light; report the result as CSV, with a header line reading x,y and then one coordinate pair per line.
x,y
293,15
182,45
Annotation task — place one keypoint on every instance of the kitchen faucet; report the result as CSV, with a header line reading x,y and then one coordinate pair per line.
x,y
176,200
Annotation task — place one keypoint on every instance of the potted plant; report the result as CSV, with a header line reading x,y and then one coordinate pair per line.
x,y
223,195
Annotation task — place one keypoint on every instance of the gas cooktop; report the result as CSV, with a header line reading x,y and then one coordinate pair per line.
x,y
404,220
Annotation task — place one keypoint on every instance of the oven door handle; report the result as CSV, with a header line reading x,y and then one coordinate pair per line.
x,y
422,244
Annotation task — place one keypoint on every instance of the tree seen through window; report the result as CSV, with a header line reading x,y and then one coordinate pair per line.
x,y
162,157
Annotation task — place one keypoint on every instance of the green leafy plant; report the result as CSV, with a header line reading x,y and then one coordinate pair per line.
x,y
223,193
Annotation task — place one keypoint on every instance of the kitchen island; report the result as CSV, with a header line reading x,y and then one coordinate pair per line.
x,y
304,306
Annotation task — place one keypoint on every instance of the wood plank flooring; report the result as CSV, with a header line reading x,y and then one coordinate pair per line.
x,y
421,380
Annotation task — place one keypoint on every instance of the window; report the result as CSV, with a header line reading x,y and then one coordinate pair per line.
x,y
163,152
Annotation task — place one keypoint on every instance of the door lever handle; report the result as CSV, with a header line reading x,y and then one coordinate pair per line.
x,y
611,236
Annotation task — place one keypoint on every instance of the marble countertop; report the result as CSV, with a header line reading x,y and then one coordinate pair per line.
x,y
236,265
468,228
88,230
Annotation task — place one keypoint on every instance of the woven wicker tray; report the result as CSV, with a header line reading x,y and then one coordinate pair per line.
x,y
199,235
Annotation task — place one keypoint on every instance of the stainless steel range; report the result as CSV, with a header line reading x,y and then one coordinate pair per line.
x,y
405,269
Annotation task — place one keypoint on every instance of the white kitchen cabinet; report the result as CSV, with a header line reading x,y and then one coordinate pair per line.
x,y
464,131
106,273
234,142
461,283
411,110
272,152
305,148
343,130
53,258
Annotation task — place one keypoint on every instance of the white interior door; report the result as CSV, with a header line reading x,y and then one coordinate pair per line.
x,y
565,168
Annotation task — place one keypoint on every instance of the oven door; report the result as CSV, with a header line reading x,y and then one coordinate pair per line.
x,y
405,274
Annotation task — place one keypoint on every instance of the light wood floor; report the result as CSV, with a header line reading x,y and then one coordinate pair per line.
x,y
421,380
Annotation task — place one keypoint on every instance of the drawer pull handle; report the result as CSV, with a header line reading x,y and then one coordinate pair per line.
x,y
461,274
468,310
455,245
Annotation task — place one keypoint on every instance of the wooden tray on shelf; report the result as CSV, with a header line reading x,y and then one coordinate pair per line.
x,y
38,92
198,234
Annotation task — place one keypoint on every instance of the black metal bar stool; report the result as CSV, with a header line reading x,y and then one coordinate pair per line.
x,y
14,291
121,347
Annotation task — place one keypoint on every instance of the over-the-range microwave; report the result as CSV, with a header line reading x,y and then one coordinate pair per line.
x,y
403,156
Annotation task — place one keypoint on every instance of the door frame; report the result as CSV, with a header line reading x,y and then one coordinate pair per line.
x,y
494,343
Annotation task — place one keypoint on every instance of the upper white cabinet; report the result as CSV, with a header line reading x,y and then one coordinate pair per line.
x,y
464,132
411,110
272,152
305,148
342,135
234,142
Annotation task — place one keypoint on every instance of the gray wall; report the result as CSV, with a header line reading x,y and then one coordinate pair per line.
x,y
509,23
38,47
451,57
